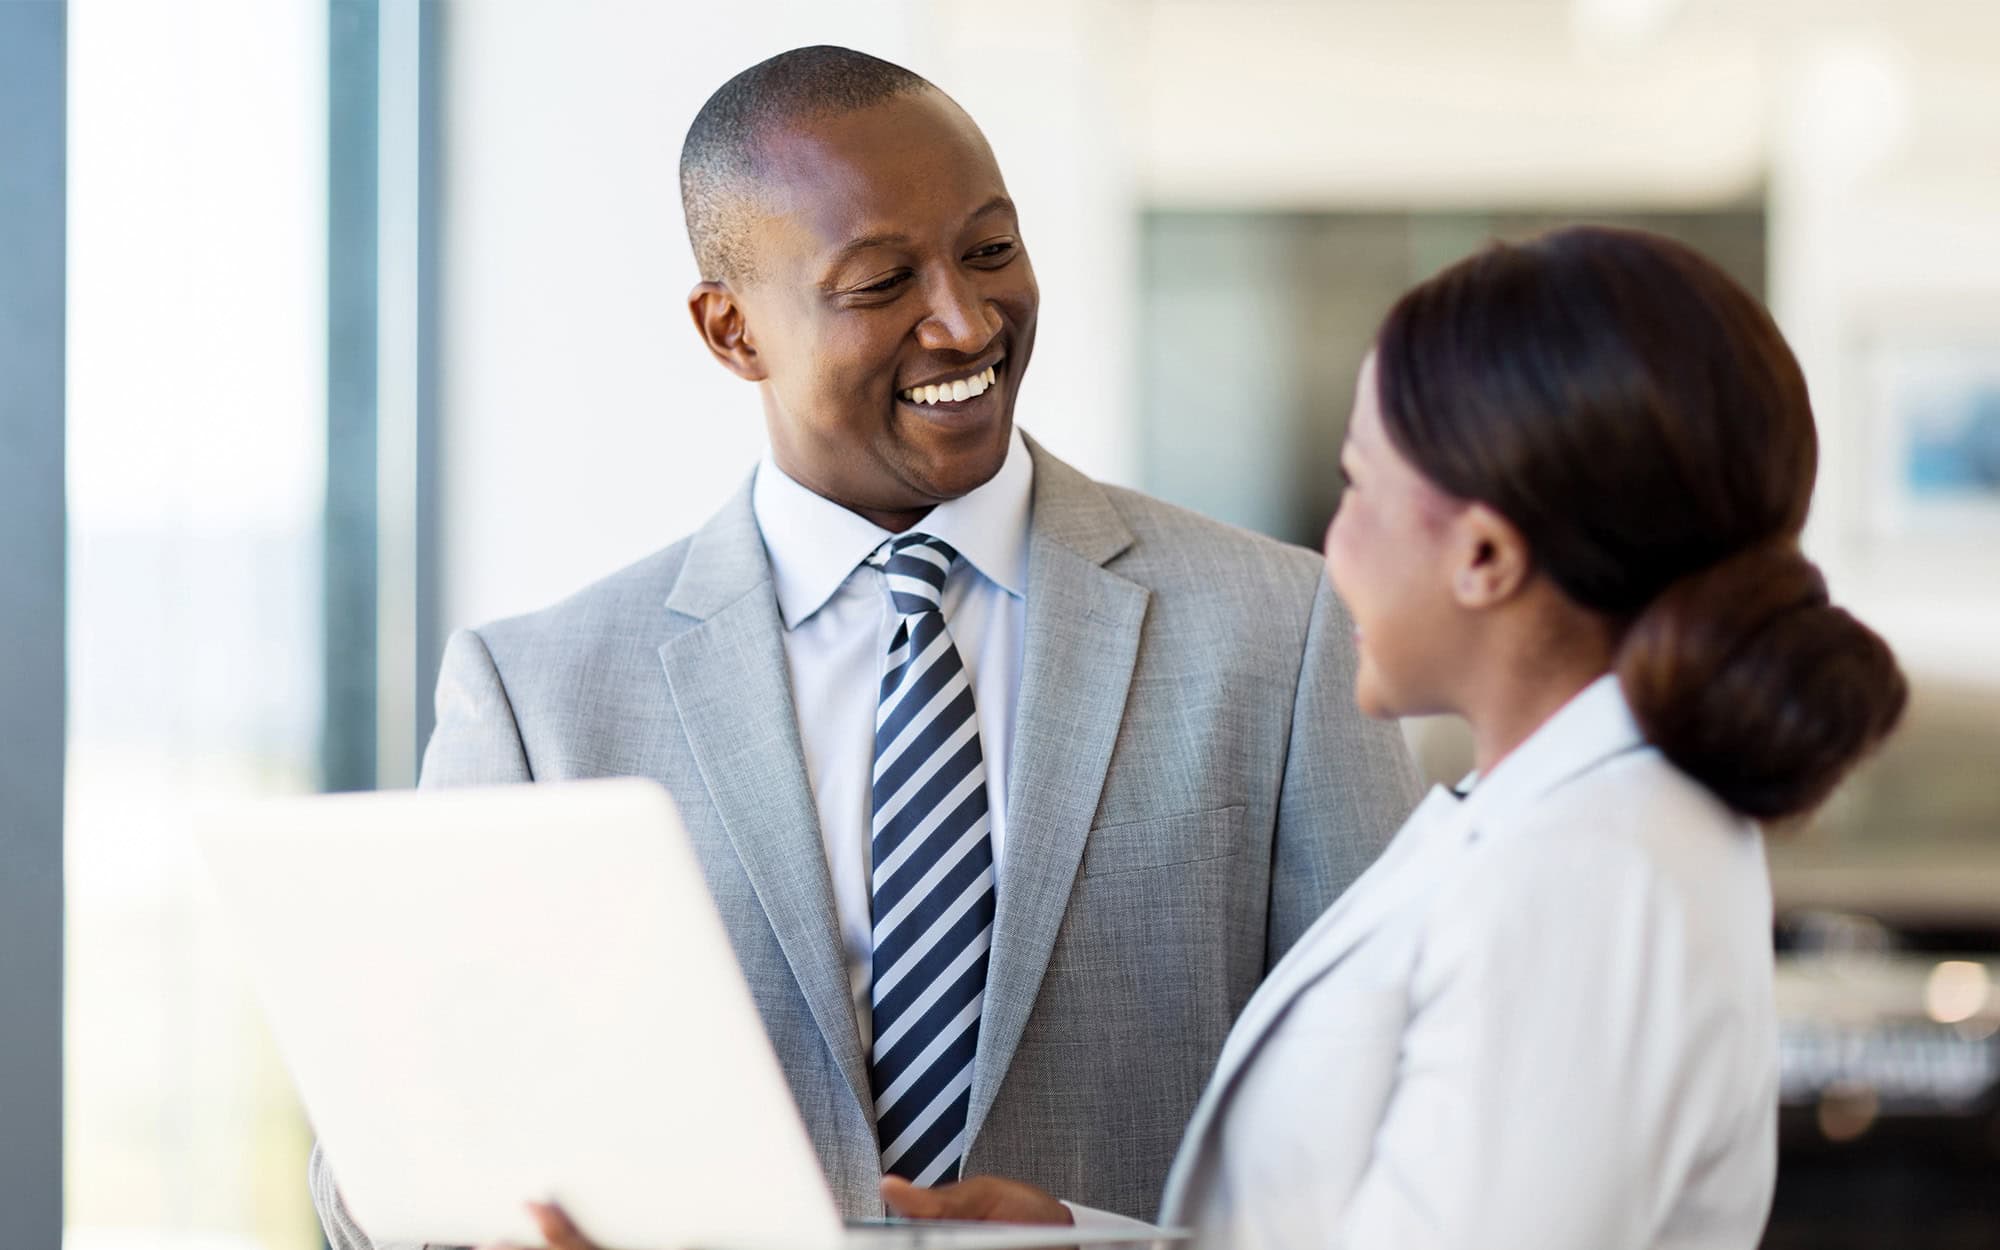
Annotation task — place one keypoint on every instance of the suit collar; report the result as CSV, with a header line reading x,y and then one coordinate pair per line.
x,y
725,561
1074,512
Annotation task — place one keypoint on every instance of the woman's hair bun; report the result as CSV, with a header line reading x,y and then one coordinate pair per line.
x,y
1751,681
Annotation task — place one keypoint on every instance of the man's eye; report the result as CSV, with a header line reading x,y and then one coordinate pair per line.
x,y
889,283
992,251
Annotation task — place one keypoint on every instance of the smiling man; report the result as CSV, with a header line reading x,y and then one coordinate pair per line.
x,y
1009,785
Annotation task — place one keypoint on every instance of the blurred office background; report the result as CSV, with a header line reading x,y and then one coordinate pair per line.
x,y
375,329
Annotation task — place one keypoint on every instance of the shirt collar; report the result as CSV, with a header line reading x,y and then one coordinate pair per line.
x,y
1593,726
814,543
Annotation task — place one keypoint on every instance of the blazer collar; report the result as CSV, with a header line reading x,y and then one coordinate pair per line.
x,y
725,560
1072,511
1594,725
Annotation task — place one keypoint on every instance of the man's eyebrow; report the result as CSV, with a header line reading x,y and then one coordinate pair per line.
x,y
998,203
862,244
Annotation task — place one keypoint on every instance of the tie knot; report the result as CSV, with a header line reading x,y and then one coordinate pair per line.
x,y
916,565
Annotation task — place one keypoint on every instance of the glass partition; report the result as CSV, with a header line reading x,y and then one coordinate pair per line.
x,y
197,419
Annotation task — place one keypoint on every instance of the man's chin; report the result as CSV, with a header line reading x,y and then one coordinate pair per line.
x,y
949,468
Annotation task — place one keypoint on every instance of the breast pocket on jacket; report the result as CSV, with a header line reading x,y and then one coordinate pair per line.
x,y
1163,841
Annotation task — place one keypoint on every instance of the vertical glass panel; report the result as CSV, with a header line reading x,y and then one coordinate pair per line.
x,y
196,430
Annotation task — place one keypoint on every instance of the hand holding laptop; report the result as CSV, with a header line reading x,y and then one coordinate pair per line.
x,y
975,1198
558,1233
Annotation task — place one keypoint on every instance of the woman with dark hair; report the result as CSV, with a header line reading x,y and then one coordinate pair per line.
x,y
1578,469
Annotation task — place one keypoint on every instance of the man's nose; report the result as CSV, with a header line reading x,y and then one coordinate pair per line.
x,y
960,320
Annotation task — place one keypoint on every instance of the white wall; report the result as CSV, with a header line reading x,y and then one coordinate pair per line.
x,y
1469,104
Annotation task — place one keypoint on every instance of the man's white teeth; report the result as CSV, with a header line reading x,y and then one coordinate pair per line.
x,y
952,392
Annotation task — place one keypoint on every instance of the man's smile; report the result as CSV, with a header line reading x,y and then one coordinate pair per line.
x,y
953,389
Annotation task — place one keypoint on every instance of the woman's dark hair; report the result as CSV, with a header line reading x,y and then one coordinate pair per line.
x,y
1638,417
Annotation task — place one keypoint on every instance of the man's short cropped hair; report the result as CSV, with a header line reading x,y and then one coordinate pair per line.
x,y
719,160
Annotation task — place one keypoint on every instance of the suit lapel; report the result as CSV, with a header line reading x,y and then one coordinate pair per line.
x,y
1082,641
730,684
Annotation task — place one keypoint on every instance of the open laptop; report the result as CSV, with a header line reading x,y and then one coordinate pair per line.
x,y
490,996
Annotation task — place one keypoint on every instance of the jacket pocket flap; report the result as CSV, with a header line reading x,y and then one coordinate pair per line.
x,y
1163,841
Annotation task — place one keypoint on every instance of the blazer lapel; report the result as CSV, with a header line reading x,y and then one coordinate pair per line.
x,y
1352,917
731,686
1082,641
1593,727
1406,867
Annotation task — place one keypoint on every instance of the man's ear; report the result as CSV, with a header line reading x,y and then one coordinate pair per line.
x,y
718,318
1492,558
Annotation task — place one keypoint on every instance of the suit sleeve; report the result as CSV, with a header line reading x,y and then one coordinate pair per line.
x,y
476,742
1348,785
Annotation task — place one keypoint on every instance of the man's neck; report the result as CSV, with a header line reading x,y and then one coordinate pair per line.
x,y
894,522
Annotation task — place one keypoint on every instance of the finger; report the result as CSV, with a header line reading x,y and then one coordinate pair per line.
x,y
556,1227
912,1201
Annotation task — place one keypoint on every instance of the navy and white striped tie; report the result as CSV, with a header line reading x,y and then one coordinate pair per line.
x,y
933,876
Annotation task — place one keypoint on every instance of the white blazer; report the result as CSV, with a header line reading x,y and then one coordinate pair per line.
x,y
1542,1020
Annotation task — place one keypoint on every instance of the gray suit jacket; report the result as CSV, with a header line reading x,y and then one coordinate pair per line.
x,y
1191,786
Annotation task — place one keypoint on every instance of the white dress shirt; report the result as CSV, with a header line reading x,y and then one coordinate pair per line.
x,y
1543,1019
838,625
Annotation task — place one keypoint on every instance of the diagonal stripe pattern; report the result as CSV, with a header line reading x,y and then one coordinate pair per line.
x,y
932,876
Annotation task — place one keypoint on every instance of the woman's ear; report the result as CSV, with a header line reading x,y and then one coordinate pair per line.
x,y
718,317
1491,559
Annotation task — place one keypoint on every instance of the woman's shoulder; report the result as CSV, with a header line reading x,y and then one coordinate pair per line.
x,y
1634,835
1635,805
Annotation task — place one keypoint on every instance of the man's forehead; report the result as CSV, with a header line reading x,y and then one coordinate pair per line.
x,y
912,165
